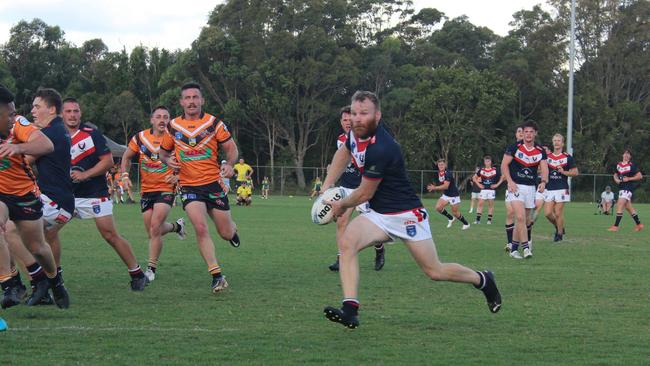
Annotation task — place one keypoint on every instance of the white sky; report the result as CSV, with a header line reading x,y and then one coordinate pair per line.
x,y
173,24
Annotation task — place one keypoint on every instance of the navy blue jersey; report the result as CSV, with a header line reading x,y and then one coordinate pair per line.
x,y
452,190
54,168
626,170
557,180
351,177
524,164
489,177
88,145
380,157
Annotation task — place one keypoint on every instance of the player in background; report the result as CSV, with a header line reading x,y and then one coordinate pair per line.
x,y
349,181
315,192
91,159
244,195
626,176
488,178
450,195
156,185
520,164
476,191
244,172
20,204
539,204
606,200
510,214
561,166
395,211
195,138
266,185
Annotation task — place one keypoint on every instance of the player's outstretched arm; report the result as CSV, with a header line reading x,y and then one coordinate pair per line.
x,y
232,154
124,166
340,161
363,193
37,145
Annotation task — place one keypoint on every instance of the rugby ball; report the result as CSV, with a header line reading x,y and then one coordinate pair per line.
x,y
321,213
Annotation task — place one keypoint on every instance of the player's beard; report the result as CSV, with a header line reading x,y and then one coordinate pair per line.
x,y
370,131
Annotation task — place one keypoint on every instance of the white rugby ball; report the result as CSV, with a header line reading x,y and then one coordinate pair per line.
x,y
321,213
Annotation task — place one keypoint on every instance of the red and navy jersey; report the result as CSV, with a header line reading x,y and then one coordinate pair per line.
x,y
629,170
380,157
488,177
88,145
525,161
557,180
54,168
446,176
351,177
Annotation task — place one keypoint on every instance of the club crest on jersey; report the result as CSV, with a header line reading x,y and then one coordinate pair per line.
x,y
178,135
411,230
192,141
81,145
143,148
520,155
154,156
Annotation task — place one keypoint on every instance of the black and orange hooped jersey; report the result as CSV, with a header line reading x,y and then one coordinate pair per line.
x,y
196,146
16,176
153,172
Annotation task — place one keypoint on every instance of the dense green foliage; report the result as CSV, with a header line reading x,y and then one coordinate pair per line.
x,y
278,71
582,302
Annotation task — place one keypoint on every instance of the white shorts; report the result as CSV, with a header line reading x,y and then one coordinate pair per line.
x,y
91,208
476,195
53,214
624,194
409,225
540,195
525,194
557,195
363,207
488,194
451,200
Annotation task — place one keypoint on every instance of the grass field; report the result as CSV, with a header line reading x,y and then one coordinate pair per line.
x,y
585,301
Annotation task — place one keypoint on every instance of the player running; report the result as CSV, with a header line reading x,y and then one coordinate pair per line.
x,y
519,167
510,214
626,176
195,138
156,185
20,204
450,195
395,211
561,166
349,181
91,159
488,179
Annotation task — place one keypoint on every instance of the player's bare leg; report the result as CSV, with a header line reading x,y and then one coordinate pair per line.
x,y
225,225
455,210
440,207
341,224
519,234
549,212
106,227
196,212
52,238
479,211
490,211
154,222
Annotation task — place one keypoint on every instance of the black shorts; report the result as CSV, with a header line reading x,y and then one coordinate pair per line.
x,y
23,208
211,194
151,198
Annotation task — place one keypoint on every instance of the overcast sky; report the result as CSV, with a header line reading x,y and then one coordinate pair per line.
x,y
173,24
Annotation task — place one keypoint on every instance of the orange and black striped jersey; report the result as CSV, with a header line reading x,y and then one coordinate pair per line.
x,y
196,146
153,173
16,176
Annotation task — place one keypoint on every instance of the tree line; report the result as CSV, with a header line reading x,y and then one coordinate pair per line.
x,y
279,71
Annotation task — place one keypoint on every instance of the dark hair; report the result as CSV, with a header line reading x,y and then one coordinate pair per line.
x,y
529,124
361,95
6,96
69,100
487,157
441,160
345,109
628,150
190,85
159,107
51,97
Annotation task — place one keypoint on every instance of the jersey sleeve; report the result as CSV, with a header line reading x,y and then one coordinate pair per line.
x,y
633,169
376,164
511,150
167,142
448,176
222,134
347,141
23,130
544,156
570,163
133,145
100,143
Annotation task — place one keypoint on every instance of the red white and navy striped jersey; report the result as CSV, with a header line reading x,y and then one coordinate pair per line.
x,y
88,145
489,176
452,189
525,161
351,177
380,157
628,169
557,180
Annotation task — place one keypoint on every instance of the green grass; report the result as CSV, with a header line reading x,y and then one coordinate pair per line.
x,y
584,301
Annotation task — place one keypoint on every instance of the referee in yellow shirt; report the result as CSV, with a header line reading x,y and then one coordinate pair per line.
x,y
244,173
